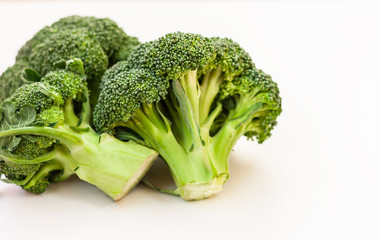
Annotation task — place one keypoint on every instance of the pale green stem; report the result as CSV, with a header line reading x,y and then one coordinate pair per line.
x,y
69,116
86,111
18,159
209,90
63,135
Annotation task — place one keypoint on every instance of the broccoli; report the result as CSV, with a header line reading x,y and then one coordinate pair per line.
x,y
110,36
114,41
190,98
45,137
98,42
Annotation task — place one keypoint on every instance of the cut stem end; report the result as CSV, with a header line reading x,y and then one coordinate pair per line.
x,y
198,191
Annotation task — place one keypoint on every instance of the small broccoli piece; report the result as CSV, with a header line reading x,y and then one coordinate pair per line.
x,y
43,139
11,79
190,98
66,83
50,117
33,147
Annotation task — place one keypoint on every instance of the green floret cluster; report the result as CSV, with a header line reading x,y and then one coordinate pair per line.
x,y
45,136
85,98
190,98
51,116
67,84
98,42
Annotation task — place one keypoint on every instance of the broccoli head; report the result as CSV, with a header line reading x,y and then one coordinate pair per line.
x,y
45,137
190,98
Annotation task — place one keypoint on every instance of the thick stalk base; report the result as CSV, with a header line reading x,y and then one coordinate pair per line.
x,y
113,166
198,191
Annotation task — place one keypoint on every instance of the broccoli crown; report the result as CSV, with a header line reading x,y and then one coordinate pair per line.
x,y
36,104
67,44
11,79
110,36
190,98
155,64
146,76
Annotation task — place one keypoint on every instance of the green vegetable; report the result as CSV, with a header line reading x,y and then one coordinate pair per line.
x,y
98,42
103,30
45,137
190,98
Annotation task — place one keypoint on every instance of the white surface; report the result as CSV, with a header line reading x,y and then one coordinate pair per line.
x,y
316,178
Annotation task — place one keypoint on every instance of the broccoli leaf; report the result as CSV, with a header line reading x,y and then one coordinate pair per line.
x,y
11,119
31,75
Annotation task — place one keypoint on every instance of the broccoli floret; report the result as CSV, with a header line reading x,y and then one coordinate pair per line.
x,y
190,98
50,117
43,139
66,83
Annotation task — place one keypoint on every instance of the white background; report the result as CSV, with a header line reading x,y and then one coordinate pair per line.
x,y
315,178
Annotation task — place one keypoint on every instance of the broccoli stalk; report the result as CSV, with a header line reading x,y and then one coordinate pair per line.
x,y
190,98
112,165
